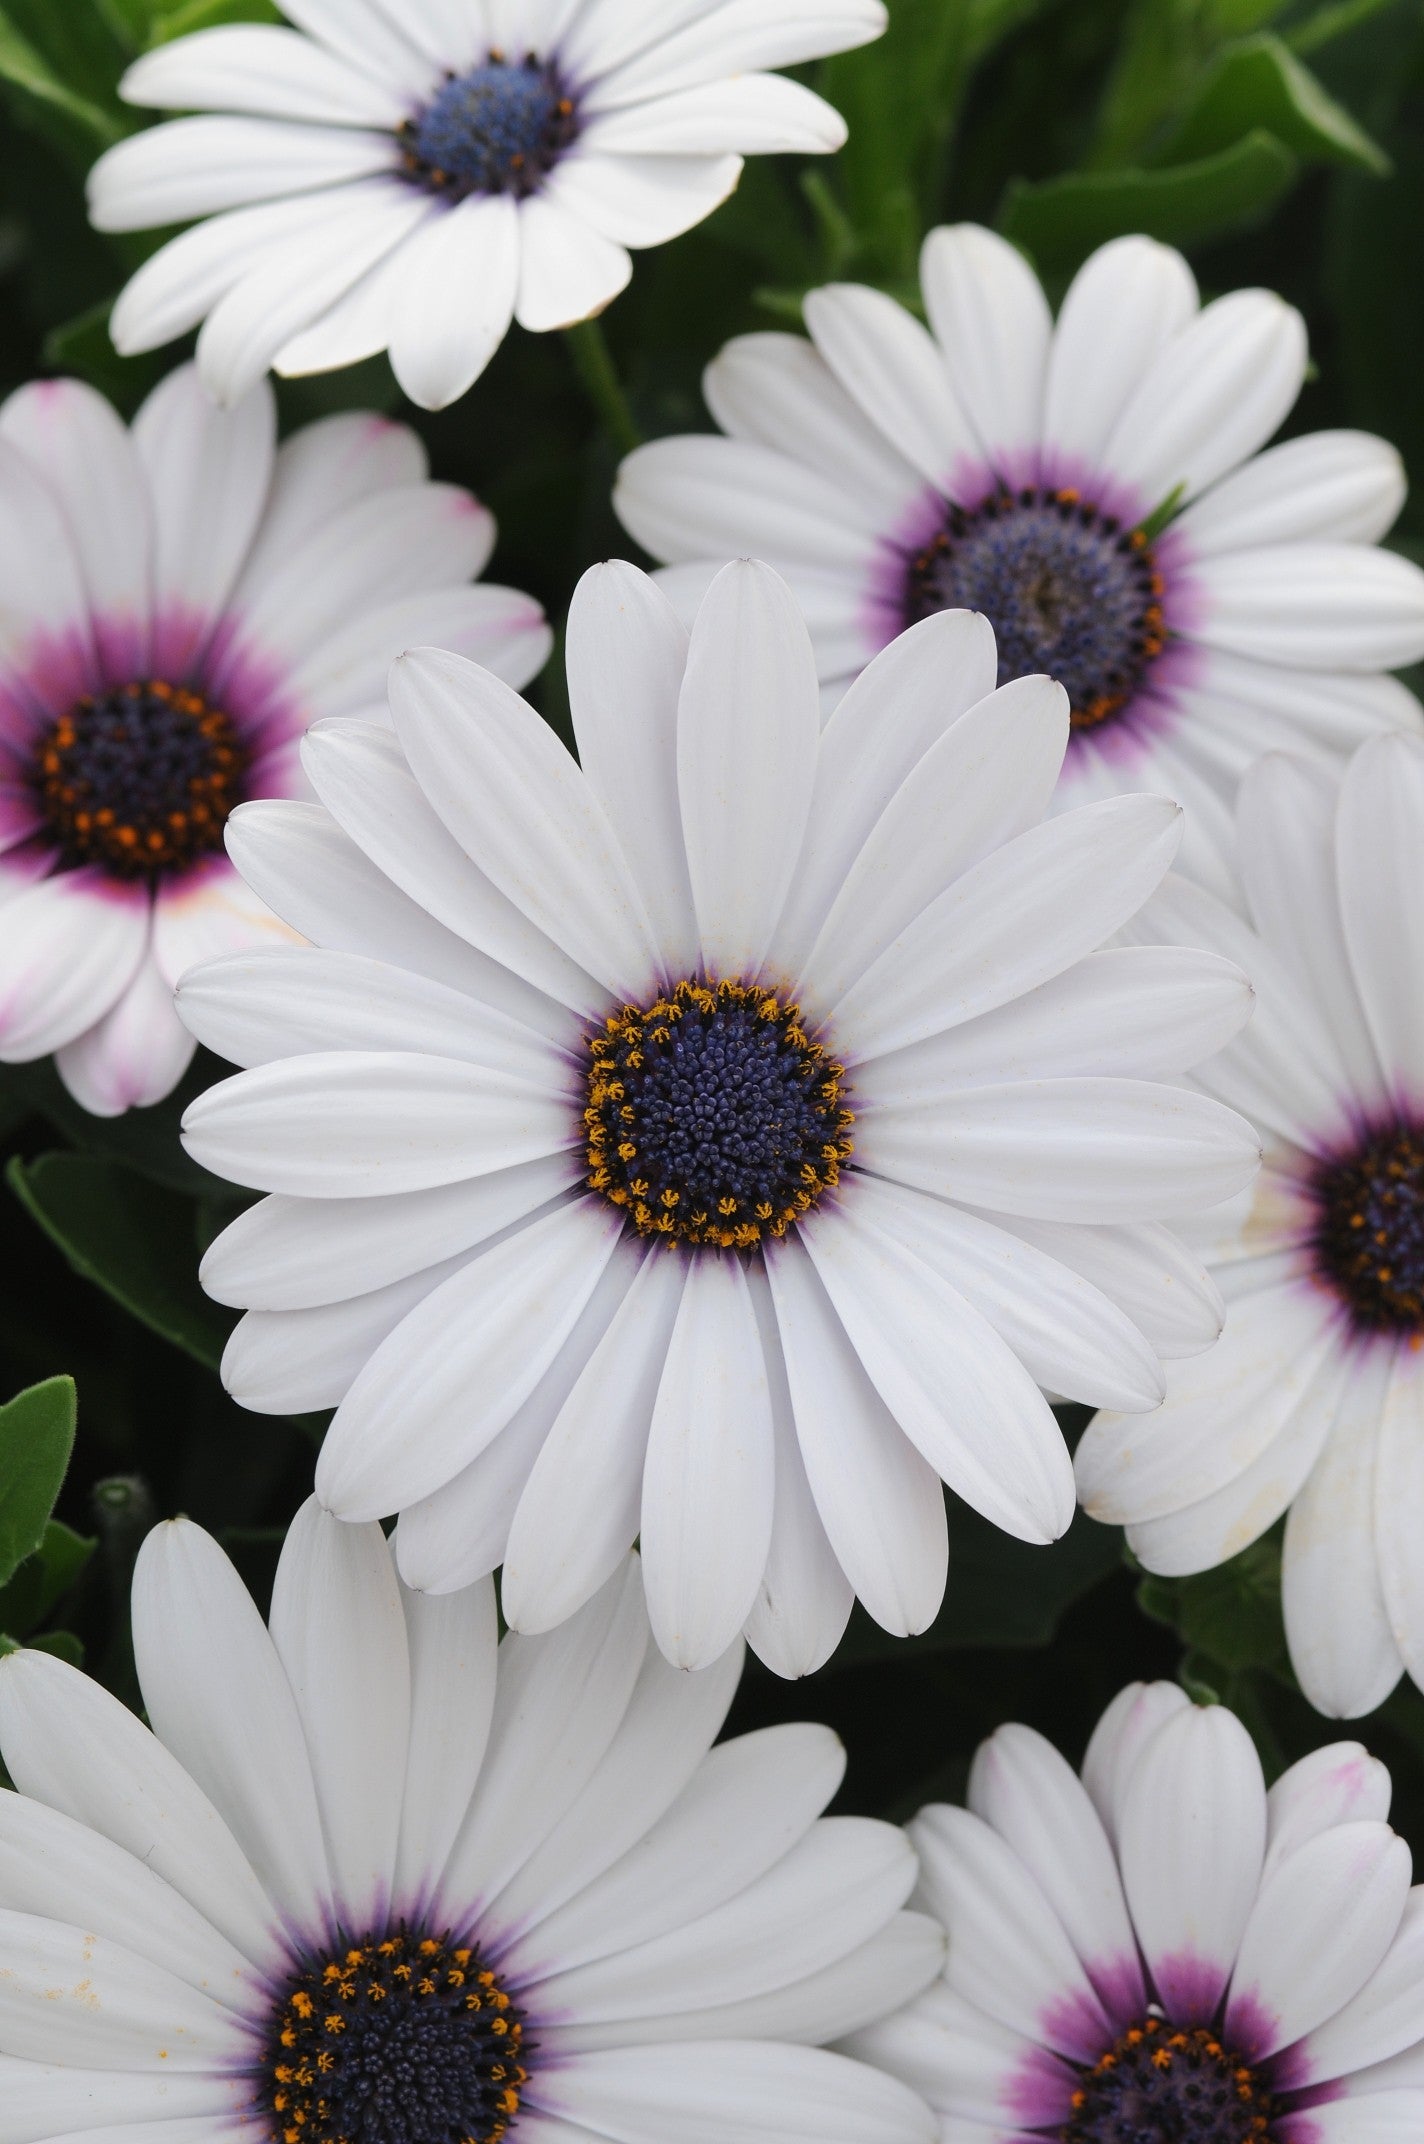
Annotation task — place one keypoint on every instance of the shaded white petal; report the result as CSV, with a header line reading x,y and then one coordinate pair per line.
x,y
209,471
1168,1294
759,2091
1377,857
218,1696
1399,1507
748,731
627,652
179,283
1313,606
513,796
778,391
708,1478
731,37
1123,306
1345,487
1382,2020
956,1389
992,321
70,1996
255,67
461,274
453,1639
700,498
74,439
191,167
1339,1784
339,1631
749,115
1192,1842
449,1377
1118,1740
41,2101
135,1055
641,200
568,271
70,947
879,1500
976,2072
897,375
1215,394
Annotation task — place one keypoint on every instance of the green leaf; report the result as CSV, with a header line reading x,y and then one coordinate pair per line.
x,y
44,1578
36,1439
1229,1617
153,22
84,347
143,1139
1061,221
1001,1592
132,1238
1259,83
40,85
62,1643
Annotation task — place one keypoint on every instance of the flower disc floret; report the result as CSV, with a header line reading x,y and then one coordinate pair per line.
x,y
1157,2084
499,128
402,2038
140,779
1368,1243
714,1117
1068,590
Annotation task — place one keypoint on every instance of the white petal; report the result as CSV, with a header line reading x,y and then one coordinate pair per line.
x,y
805,1599
745,1807
453,1639
976,2072
778,391
1399,1508
218,1696
558,1703
700,498
751,115
362,775
1223,1409
1147,1272
734,36
879,1500
339,1630
70,947
325,468
1380,809
1118,1740
338,1122
1192,1842
1339,1784
626,655
748,730
1216,393
512,796
499,628
461,274
641,200
897,375
1036,1802
1325,1917
296,1361
1343,487
1341,1644
893,713
578,1514
39,2100
1066,1150
378,39
991,319
73,438
184,279
956,1389
69,1744
1382,2020
44,585
1022,915
756,2090
986,780
190,167
1009,1953
298,1254
709,1474
1382,2117
1314,606
1123,306
254,67
358,324
568,271
73,1997
134,1056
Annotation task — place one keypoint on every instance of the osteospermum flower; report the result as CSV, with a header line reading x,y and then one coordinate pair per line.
x,y
1023,468
177,601
372,1876
411,175
1162,1952
714,1138
1315,1396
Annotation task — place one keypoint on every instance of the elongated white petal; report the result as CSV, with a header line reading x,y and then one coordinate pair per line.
x,y
991,319
762,2092
1122,308
70,1996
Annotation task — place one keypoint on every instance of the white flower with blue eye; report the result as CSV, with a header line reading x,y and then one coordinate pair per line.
x,y
1314,1400
718,1139
412,175
1093,485
1162,1950
373,1875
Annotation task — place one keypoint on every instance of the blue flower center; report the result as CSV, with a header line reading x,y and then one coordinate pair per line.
x,y
1067,589
400,2039
499,129
140,779
1368,1241
713,1117
1162,2085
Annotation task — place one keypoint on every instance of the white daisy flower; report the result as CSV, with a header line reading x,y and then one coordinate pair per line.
x,y
411,175
373,1876
718,1138
1162,1952
177,602
1015,466
1315,1398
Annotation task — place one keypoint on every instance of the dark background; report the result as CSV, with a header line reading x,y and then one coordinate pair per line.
x,y
1062,122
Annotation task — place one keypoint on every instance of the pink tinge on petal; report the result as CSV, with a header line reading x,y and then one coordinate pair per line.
x,y
884,611
1303,2098
1188,1987
1076,2026
1125,744
179,638
253,688
1039,2092
21,815
124,649
1058,470
25,865
1120,1988
1184,602
46,676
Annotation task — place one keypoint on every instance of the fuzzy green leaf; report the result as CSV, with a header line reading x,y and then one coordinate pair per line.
x,y
36,1439
1061,221
1259,83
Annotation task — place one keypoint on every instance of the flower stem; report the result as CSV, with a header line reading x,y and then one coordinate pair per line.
x,y
593,361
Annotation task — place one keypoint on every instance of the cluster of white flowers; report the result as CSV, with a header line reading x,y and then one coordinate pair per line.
x,y
682,1159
